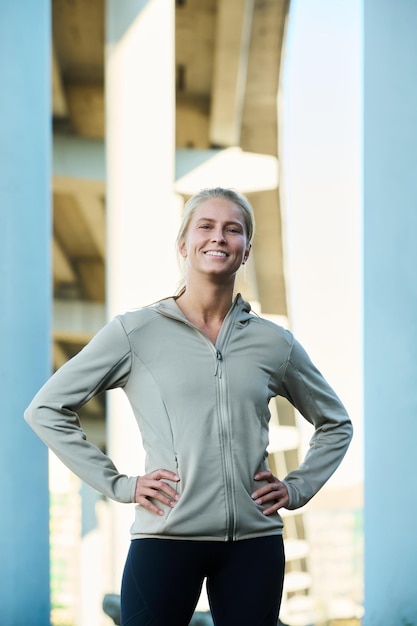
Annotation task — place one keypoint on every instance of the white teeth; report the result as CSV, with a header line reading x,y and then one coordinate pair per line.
x,y
216,253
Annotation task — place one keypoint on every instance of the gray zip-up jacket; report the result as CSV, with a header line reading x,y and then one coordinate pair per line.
x,y
203,413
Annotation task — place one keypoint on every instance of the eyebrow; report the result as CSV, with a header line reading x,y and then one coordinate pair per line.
x,y
210,219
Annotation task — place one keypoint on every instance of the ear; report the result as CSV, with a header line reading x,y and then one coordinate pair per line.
x,y
182,248
246,255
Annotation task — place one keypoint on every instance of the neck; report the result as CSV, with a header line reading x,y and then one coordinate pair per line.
x,y
206,301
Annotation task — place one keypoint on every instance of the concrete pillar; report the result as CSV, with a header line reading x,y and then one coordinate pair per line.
x,y
25,239
390,311
142,210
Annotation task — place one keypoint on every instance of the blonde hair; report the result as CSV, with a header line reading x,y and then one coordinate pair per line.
x,y
208,194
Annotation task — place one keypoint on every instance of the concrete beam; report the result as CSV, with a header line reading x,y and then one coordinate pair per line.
x,y
86,108
248,172
59,100
268,254
192,121
233,30
79,165
63,271
92,210
79,158
77,318
259,132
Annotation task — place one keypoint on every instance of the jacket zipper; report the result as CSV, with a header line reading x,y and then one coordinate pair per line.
x,y
218,370
226,430
226,450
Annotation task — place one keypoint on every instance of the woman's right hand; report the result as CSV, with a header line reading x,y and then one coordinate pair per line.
x,y
153,486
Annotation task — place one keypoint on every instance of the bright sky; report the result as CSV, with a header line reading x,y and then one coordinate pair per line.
x,y
322,165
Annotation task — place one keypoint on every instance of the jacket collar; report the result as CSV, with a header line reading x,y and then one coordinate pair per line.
x,y
240,307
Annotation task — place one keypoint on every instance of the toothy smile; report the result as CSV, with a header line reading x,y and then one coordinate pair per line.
x,y
215,253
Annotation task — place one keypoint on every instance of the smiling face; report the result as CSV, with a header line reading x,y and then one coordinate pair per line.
x,y
215,242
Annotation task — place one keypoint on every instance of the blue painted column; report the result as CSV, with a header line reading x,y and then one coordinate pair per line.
x,y
390,311
25,299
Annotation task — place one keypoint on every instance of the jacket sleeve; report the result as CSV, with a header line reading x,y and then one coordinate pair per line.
x,y
312,396
102,364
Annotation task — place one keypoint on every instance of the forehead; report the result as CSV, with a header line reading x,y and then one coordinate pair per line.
x,y
219,209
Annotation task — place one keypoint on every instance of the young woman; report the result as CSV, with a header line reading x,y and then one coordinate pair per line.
x,y
199,370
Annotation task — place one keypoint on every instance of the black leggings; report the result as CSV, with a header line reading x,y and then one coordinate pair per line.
x,y
162,581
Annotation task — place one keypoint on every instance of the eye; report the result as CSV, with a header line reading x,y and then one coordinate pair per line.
x,y
233,230
204,226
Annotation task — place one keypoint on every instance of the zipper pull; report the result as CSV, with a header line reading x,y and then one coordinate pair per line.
x,y
219,358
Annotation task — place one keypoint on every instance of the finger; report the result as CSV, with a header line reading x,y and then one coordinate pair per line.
x,y
146,497
265,475
281,502
155,494
281,499
159,474
265,496
163,473
155,491
147,504
273,509
277,486
159,485
276,491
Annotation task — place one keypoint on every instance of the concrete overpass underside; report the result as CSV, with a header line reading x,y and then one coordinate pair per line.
x,y
227,77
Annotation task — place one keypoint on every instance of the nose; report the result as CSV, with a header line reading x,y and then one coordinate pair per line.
x,y
218,236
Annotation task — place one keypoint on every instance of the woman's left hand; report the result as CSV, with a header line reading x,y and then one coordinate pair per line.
x,y
275,490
